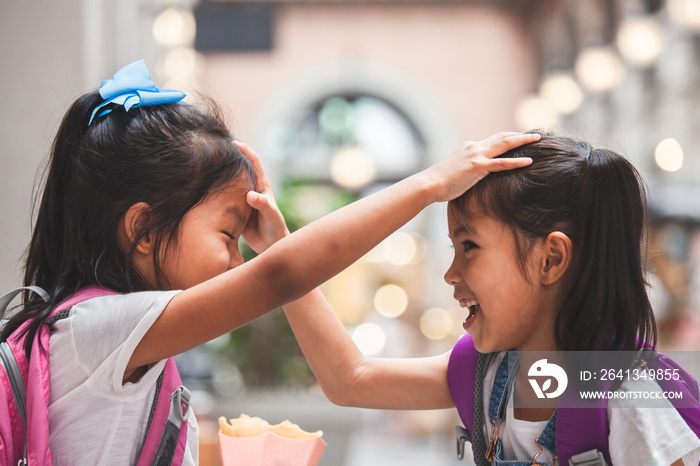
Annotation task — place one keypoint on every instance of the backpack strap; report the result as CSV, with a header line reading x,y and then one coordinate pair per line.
x,y
166,433
465,375
582,430
19,390
461,371
7,358
7,298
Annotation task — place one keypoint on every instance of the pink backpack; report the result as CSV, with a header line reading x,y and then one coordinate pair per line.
x,y
24,396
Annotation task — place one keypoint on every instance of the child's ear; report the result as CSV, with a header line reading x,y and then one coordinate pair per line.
x,y
132,222
556,257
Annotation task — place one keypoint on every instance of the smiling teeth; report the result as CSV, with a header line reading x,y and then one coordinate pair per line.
x,y
468,303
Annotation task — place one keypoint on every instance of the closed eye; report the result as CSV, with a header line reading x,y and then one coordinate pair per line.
x,y
230,236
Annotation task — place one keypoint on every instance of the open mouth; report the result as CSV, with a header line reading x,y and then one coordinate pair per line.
x,y
473,306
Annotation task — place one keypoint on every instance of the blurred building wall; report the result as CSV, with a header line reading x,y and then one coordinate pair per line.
x,y
40,72
471,61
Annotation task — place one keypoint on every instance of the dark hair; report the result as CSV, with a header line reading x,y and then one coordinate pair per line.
x,y
169,156
597,198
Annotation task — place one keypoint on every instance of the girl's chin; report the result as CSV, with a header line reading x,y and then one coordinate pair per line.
x,y
481,348
478,342
485,347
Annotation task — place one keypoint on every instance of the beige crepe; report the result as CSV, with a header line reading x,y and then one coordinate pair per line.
x,y
246,426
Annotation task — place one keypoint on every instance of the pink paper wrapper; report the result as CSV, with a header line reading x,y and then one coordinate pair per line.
x,y
269,450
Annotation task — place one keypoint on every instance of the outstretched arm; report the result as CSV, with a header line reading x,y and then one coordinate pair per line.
x,y
303,260
349,378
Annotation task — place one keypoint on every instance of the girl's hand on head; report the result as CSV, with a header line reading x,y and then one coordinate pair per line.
x,y
472,161
266,225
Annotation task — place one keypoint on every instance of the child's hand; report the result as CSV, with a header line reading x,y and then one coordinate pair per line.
x,y
266,225
472,161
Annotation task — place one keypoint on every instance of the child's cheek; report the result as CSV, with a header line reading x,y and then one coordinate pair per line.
x,y
223,261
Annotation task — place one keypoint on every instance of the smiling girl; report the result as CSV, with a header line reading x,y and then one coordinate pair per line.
x,y
546,258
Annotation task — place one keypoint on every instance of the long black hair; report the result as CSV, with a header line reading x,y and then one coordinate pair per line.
x,y
169,156
597,198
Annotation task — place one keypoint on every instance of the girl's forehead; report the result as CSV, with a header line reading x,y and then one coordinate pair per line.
x,y
465,212
474,220
233,188
228,196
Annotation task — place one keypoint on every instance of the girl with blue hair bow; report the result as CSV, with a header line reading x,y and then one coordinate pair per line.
x,y
146,198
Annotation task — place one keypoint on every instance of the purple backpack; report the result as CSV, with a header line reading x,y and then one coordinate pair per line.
x,y
24,396
581,433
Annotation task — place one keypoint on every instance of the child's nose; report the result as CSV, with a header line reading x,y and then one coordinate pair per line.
x,y
451,276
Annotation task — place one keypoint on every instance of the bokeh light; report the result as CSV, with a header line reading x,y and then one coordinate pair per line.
x,y
599,69
685,12
181,63
436,323
669,155
391,300
640,41
535,112
352,168
369,338
174,27
562,91
399,248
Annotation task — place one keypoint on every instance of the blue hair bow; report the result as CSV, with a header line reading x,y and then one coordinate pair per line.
x,y
132,86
